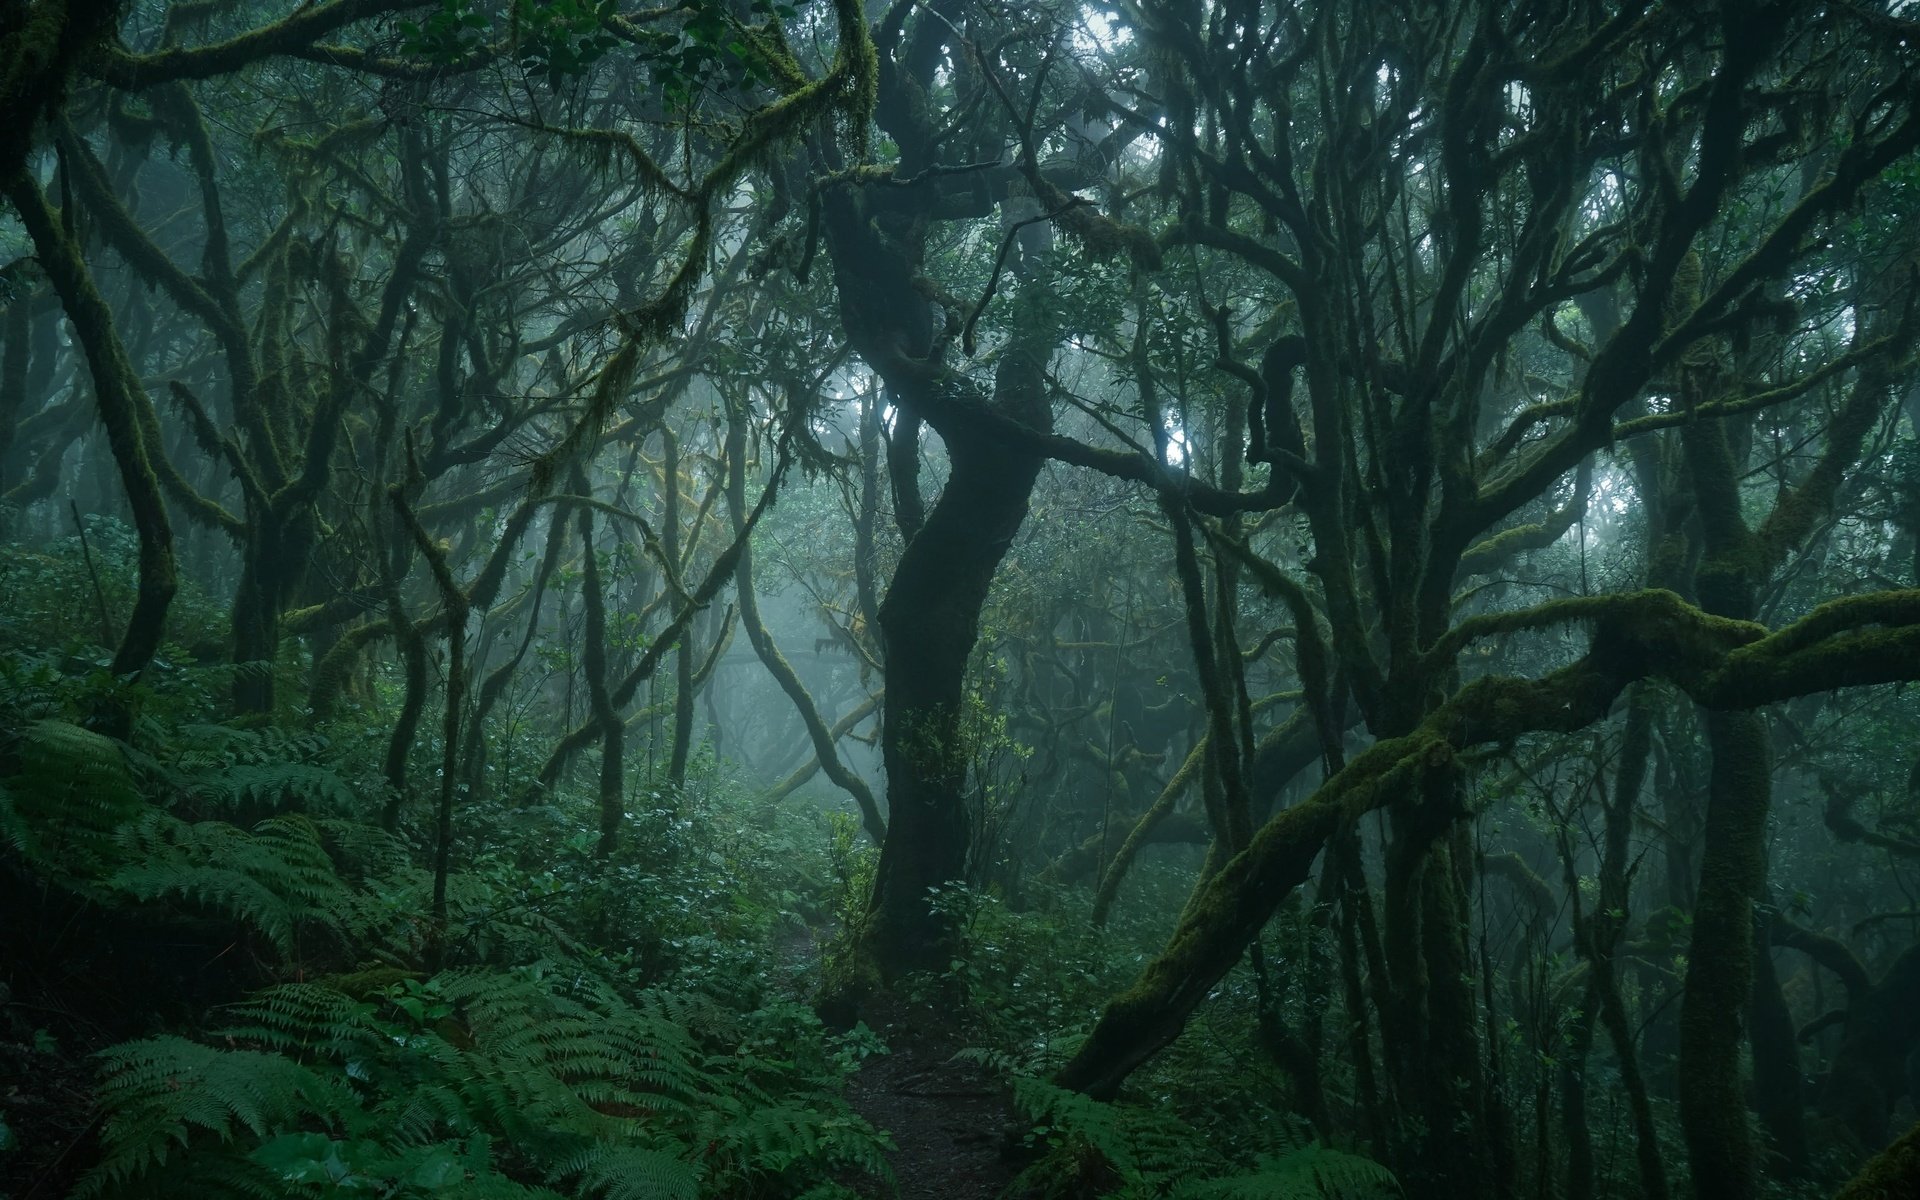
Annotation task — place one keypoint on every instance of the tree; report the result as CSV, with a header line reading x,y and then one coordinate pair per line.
x,y
1436,484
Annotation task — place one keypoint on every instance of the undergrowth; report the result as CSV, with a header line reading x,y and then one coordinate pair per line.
x,y
577,1026
588,1028
1205,1119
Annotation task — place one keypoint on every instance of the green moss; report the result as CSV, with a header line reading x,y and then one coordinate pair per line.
x,y
1720,959
1223,915
1893,1174
1104,238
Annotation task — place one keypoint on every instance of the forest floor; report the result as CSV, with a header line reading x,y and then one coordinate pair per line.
x,y
950,1120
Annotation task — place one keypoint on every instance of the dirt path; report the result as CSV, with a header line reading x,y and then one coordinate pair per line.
x,y
949,1120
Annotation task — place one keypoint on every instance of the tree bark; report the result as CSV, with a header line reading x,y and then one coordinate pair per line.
x,y
818,734
121,398
1869,1071
929,622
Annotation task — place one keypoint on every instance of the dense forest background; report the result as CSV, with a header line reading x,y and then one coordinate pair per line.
x,y
762,598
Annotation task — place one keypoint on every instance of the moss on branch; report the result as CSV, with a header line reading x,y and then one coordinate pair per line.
x,y
1722,663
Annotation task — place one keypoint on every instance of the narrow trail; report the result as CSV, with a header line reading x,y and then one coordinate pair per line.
x,y
949,1120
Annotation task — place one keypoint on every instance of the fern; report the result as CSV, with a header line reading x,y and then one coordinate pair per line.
x,y
1309,1173
305,1163
400,1086
308,1019
629,1173
361,851
574,1062
63,807
218,769
773,1140
1107,1147
273,878
486,924
227,745
1114,1149
604,1097
301,787
74,812
1058,1112
162,1093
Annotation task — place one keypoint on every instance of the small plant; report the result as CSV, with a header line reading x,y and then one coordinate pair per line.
x,y
852,861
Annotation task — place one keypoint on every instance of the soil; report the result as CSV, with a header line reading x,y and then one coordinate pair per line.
x,y
46,1133
951,1121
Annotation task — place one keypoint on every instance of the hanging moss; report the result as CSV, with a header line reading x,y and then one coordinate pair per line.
x,y
1104,238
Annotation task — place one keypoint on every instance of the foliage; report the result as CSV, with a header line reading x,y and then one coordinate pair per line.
x,y
505,1081
851,862
1125,1151
64,805
1310,1173
511,1075
1238,443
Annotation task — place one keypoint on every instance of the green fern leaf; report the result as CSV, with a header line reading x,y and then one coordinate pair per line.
x,y
1309,1173
271,879
163,1095
62,809
630,1173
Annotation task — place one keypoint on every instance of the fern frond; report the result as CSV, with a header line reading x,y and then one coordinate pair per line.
x,y
767,1141
1309,1173
1058,1110
162,1094
271,878
208,746
64,807
631,1173
221,770
361,850
304,1019
288,786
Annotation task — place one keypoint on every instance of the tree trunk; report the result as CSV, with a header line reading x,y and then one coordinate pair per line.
x,y
1778,1089
121,397
683,686
1869,1070
1733,869
821,738
929,623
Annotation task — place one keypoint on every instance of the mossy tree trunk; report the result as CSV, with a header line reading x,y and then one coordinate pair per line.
x,y
1723,981
929,619
1729,667
929,622
125,411
1733,868
819,735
